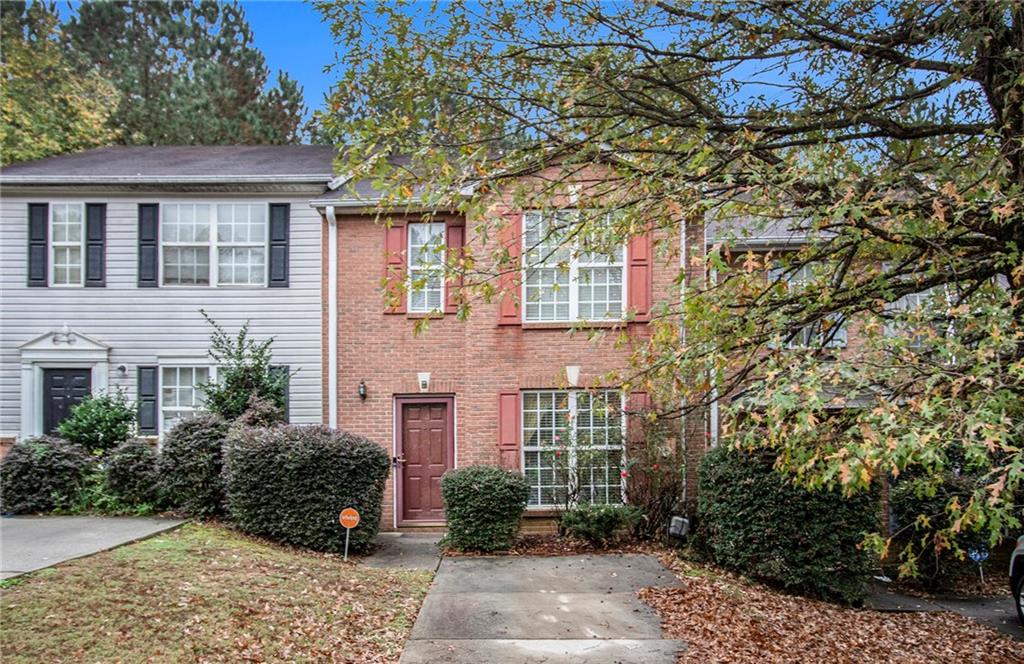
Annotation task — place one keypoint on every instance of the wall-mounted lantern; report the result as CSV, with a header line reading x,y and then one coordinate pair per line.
x,y
362,390
423,378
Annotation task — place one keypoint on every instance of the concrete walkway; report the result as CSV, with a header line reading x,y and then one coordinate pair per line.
x,y
405,551
29,543
997,612
539,609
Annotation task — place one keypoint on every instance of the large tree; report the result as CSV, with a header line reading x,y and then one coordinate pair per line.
x,y
187,73
47,107
886,137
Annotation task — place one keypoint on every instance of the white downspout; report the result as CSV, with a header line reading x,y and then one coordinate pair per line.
x,y
714,381
332,317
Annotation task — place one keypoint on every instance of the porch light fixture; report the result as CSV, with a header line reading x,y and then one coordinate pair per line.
x,y
64,336
361,390
423,378
572,374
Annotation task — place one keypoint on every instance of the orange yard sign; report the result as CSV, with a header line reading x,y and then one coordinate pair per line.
x,y
349,518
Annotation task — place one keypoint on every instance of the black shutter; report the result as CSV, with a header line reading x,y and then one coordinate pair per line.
x,y
96,244
278,262
147,400
149,250
38,249
279,370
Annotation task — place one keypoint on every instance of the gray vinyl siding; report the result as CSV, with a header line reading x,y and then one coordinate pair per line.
x,y
142,324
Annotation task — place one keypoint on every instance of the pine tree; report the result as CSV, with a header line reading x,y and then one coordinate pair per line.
x,y
187,72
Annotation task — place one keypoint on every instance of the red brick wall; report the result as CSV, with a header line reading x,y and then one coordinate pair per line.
x,y
475,360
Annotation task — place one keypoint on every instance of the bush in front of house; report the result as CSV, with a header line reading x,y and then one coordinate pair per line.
x,y
289,482
597,524
190,465
132,475
42,474
483,506
99,423
755,521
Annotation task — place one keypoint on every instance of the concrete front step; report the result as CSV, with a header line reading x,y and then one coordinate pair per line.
x,y
541,651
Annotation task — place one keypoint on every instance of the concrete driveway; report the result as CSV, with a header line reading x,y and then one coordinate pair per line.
x,y
539,609
28,543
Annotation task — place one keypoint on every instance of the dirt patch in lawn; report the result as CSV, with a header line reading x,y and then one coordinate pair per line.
x,y
209,594
724,618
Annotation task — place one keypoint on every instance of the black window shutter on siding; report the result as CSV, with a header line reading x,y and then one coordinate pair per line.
x,y
147,400
282,369
96,244
149,236
278,263
38,249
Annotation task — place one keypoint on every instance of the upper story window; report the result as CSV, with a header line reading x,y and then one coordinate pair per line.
x,y
214,244
67,244
565,280
830,332
426,267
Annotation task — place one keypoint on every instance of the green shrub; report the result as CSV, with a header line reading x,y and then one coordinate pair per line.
x,y
132,474
483,506
190,465
757,522
41,474
289,483
918,511
95,497
598,523
99,423
243,373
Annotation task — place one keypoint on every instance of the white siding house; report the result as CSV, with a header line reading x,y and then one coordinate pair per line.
x,y
95,305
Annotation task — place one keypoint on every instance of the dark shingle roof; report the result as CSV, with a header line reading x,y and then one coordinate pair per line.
x,y
180,163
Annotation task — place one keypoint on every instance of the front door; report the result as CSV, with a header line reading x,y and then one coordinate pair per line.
x,y
63,389
426,451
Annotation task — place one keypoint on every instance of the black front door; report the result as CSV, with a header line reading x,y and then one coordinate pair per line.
x,y
62,389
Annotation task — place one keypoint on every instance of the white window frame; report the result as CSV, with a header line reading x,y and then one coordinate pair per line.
x,y
54,245
184,363
213,245
575,262
411,270
803,339
570,446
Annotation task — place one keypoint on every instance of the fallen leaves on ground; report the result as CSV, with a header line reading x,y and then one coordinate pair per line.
x,y
724,618
209,594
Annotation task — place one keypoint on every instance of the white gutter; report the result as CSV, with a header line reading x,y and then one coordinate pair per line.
x,y
159,179
332,317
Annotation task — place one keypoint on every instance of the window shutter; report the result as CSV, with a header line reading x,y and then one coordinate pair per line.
x,y
285,372
149,248
509,431
38,249
278,260
96,244
394,266
510,279
147,400
454,240
640,276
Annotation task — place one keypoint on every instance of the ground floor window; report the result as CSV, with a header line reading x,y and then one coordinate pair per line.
x,y
181,394
572,446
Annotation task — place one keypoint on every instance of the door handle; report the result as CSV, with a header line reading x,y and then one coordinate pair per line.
x,y
395,461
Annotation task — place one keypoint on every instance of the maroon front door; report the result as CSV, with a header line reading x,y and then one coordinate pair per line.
x,y
425,454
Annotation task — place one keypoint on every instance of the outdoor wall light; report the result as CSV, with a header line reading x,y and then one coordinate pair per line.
x,y
123,370
423,378
64,336
362,390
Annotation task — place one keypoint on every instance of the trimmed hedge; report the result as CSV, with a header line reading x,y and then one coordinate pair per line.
x,y
190,465
757,522
41,474
99,423
598,523
289,483
132,475
483,506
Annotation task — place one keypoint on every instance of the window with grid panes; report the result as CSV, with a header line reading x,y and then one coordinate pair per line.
x,y
426,267
181,395
830,333
573,446
569,279
67,238
223,244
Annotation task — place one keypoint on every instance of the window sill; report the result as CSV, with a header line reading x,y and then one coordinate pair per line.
x,y
420,315
568,325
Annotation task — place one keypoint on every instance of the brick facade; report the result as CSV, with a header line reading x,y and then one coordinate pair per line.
x,y
474,361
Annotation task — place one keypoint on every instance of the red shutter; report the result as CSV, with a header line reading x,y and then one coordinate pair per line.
x,y
509,430
638,404
640,276
454,240
510,279
394,266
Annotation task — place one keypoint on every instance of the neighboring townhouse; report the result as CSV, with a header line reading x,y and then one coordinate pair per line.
x,y
110,254
511,385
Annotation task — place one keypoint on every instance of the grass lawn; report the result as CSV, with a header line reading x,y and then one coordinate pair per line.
x,y
206,593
